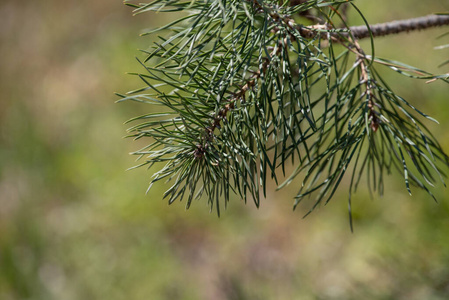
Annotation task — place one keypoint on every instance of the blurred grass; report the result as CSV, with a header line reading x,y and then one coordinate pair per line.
x,y
75,225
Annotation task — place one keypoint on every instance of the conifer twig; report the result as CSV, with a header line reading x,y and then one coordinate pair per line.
x,y
247,91
362,31
377,30
394,27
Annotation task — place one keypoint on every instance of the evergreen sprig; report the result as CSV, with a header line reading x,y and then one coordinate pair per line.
x,y
245,90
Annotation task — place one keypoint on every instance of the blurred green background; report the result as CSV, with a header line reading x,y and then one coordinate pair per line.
x,y
75,225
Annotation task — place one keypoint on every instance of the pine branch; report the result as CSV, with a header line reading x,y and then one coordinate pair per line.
x,y
358,32
395,27
377,30
245,91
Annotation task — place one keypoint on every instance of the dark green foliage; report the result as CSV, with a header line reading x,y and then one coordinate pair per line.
x,y
245,92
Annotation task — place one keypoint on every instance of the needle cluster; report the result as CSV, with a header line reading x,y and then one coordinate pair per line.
x,y
240,93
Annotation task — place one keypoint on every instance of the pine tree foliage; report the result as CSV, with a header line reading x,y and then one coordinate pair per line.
x,y
241,91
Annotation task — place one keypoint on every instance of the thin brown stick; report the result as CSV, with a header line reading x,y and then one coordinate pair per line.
x,y
361,32
377,30
395,27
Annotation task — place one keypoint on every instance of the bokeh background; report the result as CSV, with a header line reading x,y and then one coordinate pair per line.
x,y
75,225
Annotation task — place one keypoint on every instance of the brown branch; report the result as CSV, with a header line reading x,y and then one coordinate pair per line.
x,y
394,27
358,32
382,29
